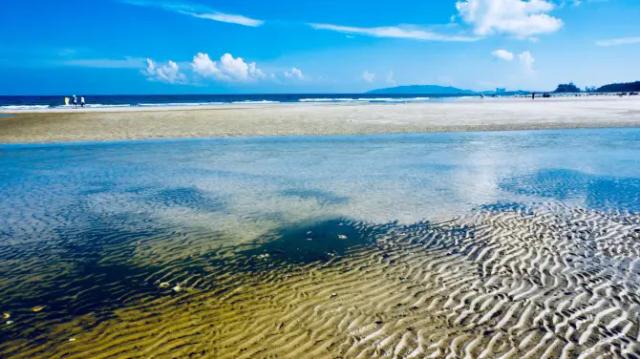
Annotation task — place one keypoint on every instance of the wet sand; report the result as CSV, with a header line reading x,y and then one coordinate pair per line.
x,y
545,282
548,280
318,119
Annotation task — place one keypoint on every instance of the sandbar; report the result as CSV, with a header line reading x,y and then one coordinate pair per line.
x,y
109,124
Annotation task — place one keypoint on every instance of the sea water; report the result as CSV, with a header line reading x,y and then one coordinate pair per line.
x,y
85,228
13,103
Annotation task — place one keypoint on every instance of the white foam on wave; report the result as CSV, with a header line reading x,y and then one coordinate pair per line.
x,y
255,101
327,100
90,105
97,105
213,103
396,100
24,107
171,104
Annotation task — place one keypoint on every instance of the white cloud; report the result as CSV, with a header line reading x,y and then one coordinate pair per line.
x,y
527,60
229,18
198,11
399,32
169,73
519,18
228,69
204,66
236,68
294,73
503,54
619,41
368,76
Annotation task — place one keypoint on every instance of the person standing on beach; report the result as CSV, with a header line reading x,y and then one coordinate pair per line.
x,y
82,101
66,101
74,101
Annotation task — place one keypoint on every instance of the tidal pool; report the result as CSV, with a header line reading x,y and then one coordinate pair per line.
x,y
138,237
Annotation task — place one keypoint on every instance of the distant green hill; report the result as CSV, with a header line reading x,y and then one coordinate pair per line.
x,y
567,88
622,87
422,90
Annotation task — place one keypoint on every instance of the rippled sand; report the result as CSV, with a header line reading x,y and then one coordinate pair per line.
x,y
508,282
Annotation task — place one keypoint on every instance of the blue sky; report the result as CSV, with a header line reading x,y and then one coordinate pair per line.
x,y
240,46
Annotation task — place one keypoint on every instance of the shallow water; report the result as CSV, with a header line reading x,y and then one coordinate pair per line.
x,y
89,230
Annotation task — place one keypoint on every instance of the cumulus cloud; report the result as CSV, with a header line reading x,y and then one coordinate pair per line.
x,y
294,73
519,18
238,69
619,41
368,76
525,58
169,72
198,11
227,69
398,32
204,66
503,54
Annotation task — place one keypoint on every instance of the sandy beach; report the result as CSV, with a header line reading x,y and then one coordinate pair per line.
x,y
61,125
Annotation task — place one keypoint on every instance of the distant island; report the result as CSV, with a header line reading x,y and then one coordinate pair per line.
x,y
567,88
422,90
631,87
621,87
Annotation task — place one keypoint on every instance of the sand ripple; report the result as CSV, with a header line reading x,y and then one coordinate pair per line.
x,y
543,282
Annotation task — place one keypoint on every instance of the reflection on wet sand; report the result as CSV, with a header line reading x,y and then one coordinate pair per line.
x,y
547,281
390,246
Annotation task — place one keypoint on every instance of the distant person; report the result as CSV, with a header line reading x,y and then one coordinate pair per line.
x,y
533,95
82,101
75,101
66,101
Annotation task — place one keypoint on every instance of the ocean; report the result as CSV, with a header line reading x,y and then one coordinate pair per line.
x,y
92,101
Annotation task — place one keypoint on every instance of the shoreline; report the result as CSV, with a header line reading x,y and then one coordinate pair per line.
x,y
99,108
291,119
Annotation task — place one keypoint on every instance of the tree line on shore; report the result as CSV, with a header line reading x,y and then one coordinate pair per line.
x,y
632,87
